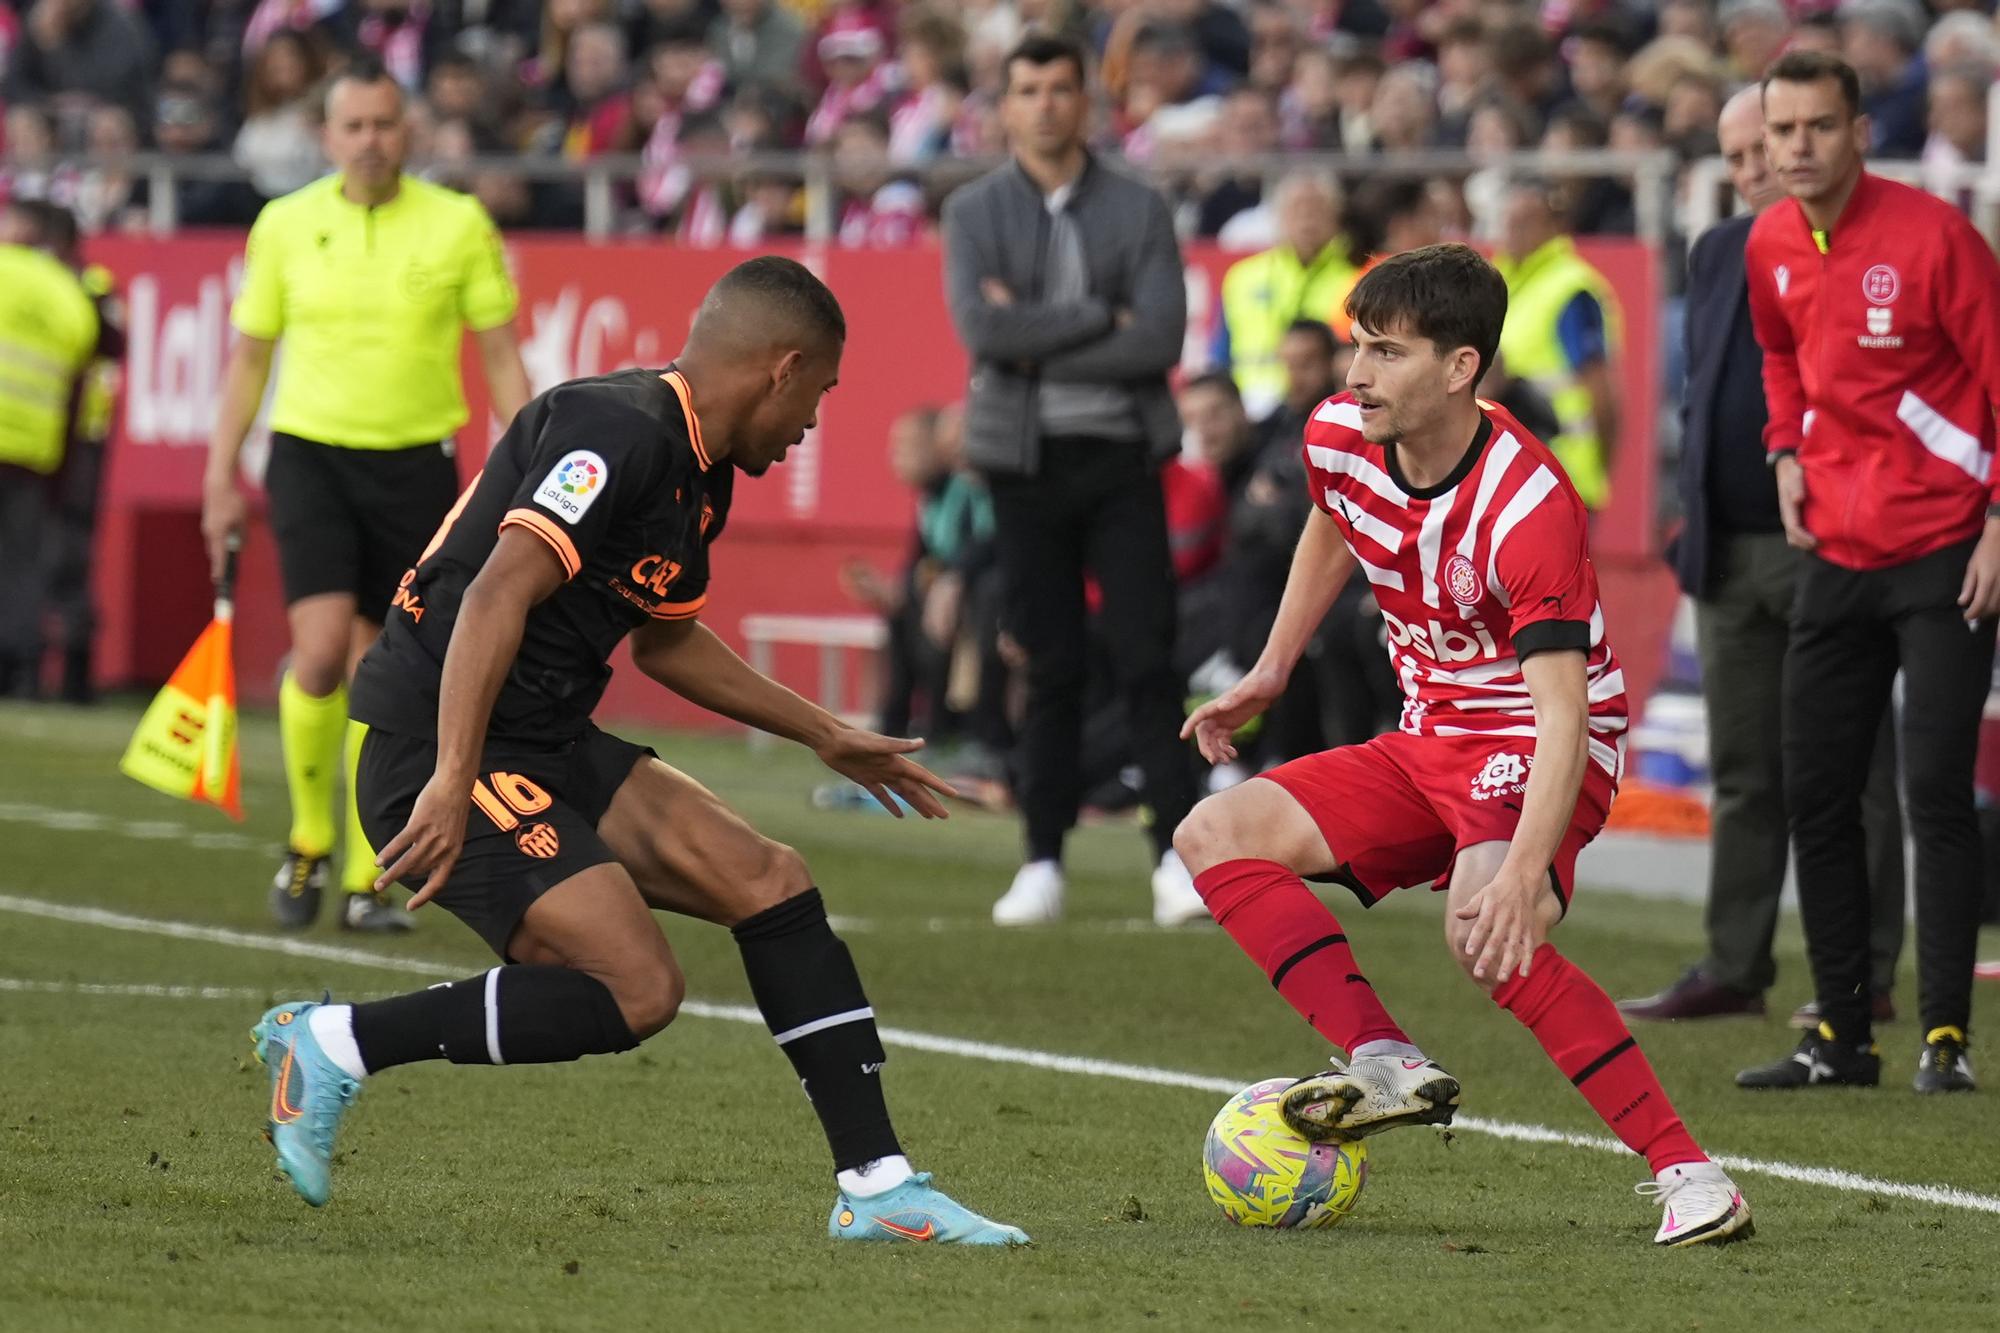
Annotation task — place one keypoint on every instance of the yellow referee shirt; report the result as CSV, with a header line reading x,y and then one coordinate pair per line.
x,y
372,304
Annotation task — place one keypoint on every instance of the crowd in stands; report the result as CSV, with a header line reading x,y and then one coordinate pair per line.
x,y
1194,89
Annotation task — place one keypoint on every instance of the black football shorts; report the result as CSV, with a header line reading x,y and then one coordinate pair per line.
x,y
354,520
533,822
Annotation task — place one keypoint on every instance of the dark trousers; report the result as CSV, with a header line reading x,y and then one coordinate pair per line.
x,y
1851,631
24,528
1744,624
1095,507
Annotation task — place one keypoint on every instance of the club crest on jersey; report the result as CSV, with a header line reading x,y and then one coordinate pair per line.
x,y
573,485
1462,581
1881,284
1504,775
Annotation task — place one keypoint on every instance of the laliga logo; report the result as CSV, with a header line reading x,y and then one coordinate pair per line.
x,y
1440,642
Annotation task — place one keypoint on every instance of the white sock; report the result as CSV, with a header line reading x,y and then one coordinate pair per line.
x,y
332,1026
876,1177
1399,1049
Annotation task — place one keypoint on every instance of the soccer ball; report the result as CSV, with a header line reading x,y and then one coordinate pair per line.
x,y
1262,1173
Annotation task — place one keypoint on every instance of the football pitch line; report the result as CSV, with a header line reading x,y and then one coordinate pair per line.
x,y
930,1043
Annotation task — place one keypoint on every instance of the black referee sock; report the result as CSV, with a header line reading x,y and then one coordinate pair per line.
x,y
513,1015
810,995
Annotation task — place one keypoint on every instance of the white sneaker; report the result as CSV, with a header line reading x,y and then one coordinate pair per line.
x,y
1034,899
1176,902
1702,1206
1374,1093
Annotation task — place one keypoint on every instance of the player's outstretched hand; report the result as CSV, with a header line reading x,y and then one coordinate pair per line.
x,y
1507,926
1215,722
880,765
430,843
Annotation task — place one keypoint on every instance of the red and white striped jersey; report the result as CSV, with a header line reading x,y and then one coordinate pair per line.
x,y
1471,574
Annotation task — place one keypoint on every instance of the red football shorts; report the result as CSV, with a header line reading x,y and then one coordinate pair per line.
x,y
1396,810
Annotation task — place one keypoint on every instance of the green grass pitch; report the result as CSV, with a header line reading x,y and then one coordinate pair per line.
x,y
685,1186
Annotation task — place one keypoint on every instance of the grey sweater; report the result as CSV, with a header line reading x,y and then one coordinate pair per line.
x,y
998,227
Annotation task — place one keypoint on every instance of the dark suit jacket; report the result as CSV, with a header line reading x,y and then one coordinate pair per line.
x,y
1718,333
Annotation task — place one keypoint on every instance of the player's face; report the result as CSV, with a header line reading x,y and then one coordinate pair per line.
x,y
367,137
1399,381
1813,144
790,410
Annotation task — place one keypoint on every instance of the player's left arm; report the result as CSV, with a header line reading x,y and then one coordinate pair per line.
x,y
687,657
1964,290
1506,914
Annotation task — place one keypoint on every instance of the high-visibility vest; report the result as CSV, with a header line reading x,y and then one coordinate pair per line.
x,y
48,329
1539,288
1262,296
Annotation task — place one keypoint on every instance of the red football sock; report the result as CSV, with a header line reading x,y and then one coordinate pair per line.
x,y
1580,1028
1279,922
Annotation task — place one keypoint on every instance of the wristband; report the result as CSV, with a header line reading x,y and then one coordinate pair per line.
x,y
1771,459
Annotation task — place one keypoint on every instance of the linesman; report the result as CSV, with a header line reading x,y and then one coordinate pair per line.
x,y
368,276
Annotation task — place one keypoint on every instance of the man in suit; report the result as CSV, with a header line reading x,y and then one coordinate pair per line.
x,y
1732,558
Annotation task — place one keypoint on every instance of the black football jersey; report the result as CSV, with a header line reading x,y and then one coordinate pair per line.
x,y
612,474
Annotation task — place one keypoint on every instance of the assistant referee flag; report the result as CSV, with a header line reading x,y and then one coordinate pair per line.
x,y
186,743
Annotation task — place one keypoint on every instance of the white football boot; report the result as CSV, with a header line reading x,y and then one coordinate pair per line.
x,y
1373,1093
1175,899
1703,1206
1034,899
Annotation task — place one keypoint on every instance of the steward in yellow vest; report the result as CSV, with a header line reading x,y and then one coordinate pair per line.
x,y
1307,275
1561,333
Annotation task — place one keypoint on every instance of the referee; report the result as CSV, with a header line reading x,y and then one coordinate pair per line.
x,y
369,276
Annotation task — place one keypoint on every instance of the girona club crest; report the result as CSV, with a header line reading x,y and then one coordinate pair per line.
x,y
1504,775
1462,581
1881,284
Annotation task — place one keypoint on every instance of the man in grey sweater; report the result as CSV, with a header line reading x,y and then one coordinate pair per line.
x,y
1065,284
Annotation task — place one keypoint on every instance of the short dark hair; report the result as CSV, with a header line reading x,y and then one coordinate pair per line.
x,y
1165,39
1445,293
365,69
1317,330
1219,380
787,289
1814,66
1044,48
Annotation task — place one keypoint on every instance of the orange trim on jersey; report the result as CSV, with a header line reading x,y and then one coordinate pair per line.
x,y
546,529
457,508
680,610
678,383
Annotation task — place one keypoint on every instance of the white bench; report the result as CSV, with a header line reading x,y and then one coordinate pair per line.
x,y
833,636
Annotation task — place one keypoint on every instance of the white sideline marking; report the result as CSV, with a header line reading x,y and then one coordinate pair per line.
x,y
148,830
130,990
1942,1195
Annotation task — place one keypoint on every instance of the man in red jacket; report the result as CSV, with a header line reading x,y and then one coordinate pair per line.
x,y
1878,308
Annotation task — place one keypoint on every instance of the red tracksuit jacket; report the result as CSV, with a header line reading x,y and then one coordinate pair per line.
x,y
1882,369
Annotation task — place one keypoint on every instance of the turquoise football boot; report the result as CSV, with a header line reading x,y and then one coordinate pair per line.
x,y
309,1094
914,1211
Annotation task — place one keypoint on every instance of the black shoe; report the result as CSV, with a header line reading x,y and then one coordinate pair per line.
x,y
1695,995
1944,1066
1819,1059
374,913
296,888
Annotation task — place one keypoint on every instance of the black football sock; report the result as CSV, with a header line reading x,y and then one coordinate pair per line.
x,y
810,995
513,1015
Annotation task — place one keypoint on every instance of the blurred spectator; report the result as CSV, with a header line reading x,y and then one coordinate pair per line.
x,y
693,201
1690,18
1561,335
1525,67
933,84
1594,205
1880,39
560,21
1307,274
278,143
1964,38
758,42
1465,65
405,35
92,48
591,96
1753,33
878,210
1355,80
31,168
1276,39
858,75
681,81
1402,116
1816,32
1309,110
456,89
772,209
108,195
1958,125
1597,54
186,124
1248,131
652,22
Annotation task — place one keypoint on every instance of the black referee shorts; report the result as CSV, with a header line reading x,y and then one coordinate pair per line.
x,y
353,520
533,822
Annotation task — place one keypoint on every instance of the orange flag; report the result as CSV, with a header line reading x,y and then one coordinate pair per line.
x,y
185,745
